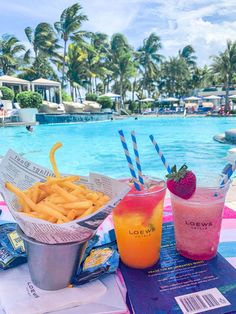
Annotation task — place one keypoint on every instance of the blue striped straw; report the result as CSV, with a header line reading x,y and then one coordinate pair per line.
x,y
137,159
228,171
130,164
165,163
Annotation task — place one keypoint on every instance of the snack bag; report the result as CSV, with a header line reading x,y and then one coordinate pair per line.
x,y
102,259
12,250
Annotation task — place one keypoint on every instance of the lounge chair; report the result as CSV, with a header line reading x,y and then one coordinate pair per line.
x,y
73,107
51,107
7,104
92,106
9,115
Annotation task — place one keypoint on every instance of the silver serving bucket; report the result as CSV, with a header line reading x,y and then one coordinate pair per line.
x,y
51,266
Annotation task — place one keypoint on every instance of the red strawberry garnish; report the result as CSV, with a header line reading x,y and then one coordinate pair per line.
x,y
181,183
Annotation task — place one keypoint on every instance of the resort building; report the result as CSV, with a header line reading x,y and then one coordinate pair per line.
x,y
50,90
16,84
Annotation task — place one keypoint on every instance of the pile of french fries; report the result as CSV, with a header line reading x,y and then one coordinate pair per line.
x,y
59,199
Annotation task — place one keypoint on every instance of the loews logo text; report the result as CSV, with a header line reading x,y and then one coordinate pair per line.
x,y
198,224
143,232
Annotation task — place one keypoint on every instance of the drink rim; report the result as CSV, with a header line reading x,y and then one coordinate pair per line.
x,y
140,194
210,188
215,185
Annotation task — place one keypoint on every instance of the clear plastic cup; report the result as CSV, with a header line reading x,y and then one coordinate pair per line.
x,y
138,224
197,221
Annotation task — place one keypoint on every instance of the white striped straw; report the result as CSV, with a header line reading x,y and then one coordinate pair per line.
x,y
165,163
228,171
137,159
130,164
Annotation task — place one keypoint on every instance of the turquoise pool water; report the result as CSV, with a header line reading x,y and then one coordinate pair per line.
x,y
96,146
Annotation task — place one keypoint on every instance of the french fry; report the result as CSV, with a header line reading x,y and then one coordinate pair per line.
x,y
35,194
78,193
89,211
93,196
78,205
31,214
71,185
46,188
52,219
44,208
67,196
53,180
24,207
56,207
42,195
72,214
56,199
52,158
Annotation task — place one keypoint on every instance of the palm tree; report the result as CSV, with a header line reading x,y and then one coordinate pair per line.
x,y
100,42
200,77
122,62
175,76
102,68
224,67
99,57
207,77
96,66
10,47
187,54
70,22
77,73
149,58
40,67
43,40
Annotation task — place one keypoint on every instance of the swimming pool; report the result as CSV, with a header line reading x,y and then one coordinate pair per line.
x,y
96,146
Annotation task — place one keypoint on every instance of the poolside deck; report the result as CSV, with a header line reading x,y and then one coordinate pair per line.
x,y
8,124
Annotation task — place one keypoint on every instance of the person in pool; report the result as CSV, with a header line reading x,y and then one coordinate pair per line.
x,y
29,128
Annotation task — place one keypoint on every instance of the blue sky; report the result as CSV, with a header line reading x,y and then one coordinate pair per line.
x,y
205,24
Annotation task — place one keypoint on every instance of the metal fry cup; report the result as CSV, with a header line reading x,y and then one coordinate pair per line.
x,y
51,266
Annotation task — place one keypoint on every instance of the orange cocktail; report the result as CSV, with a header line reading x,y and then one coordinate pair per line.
x,y
138,224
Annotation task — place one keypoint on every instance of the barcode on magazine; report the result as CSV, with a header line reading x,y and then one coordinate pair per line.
x,y
201,301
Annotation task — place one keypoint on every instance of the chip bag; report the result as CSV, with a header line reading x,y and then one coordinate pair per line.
x,y
12,250
102,259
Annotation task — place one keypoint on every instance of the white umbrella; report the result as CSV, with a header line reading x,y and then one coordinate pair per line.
x,y
232,96
171,99
192,98
111,95
190,105
207,105
212,97
147,100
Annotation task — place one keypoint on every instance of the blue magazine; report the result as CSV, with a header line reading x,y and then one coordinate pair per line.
x,y
180,285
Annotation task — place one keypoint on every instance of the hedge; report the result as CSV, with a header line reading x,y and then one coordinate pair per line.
x,y
29,99
105,101
91,97
7,93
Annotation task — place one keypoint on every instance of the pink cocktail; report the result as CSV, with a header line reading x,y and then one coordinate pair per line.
x,y
197,221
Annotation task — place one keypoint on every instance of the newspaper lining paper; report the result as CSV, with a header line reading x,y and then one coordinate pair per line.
x,y
23,174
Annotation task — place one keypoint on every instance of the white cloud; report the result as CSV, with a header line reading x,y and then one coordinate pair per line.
x,y
208,37
110,16
206,25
